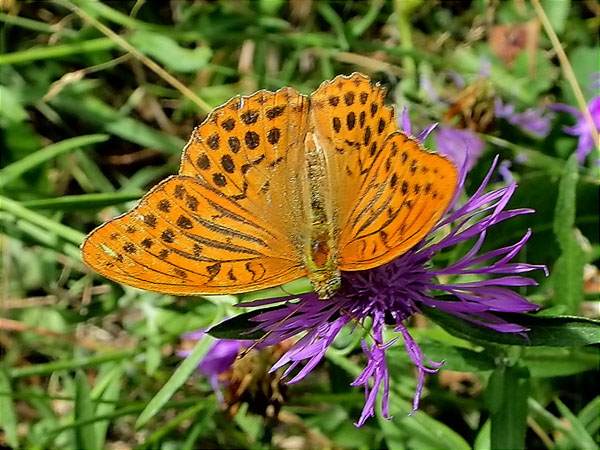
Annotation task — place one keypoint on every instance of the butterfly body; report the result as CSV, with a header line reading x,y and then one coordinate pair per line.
x,y
277,186
320,250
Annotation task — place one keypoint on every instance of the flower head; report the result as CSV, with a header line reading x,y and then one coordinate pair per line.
x,y
242,380
219,358
534,121
388,295
582,127
462,146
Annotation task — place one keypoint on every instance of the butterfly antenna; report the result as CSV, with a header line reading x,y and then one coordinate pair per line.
x,y
266,335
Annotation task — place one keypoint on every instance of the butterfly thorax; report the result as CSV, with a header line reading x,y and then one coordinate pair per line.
x,y
321,258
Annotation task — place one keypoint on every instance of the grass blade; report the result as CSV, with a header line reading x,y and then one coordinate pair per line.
x,y
567,273
507,394
8,419
18,210
85,435
56,51
181,374
16,169
584,440
70,364
85,201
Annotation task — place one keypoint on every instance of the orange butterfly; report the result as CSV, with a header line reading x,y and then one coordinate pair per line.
x,y
277,186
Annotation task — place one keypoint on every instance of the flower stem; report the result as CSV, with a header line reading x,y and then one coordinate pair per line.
x,y
406,44
185,91
568,73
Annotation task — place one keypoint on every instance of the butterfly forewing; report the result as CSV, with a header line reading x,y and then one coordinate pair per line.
x,y
351,122
242,149
229,223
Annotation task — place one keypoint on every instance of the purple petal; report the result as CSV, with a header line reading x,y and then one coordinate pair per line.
x,y
462,146
405,123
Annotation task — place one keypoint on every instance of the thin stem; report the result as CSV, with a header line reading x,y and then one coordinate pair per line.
x,y
31,24
187,92
56,51
406,43
568,72
18,210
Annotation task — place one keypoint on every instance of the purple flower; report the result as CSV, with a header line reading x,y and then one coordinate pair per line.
x,y
219,358
534,121
390,294
427,87
462,146
504,171
406,126
595,80
582,128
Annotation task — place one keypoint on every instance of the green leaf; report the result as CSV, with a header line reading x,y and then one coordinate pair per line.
x,y
548,362
564,216
424,431
238,327
95,112
483,438
51,226
567,274
557,331
518,87
557,12
590,415
181,374
106,391
12,108
8,418
585,64
85,435
457,358
168,52
506,395
394,436
270,7
584,440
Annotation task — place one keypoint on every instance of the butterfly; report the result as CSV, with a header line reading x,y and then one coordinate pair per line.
x,y
277,186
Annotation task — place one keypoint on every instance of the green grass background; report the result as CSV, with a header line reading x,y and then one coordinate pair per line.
x,y
94,110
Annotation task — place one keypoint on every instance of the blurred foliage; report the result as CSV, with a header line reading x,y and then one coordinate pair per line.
x,y
87,127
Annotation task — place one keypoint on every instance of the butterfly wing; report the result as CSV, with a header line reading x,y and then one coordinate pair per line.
x,y
247,149
404,194
185,238
388,191
229,222
351,122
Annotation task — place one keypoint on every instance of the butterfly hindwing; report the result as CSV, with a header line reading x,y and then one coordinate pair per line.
x,y
404,195
185,238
